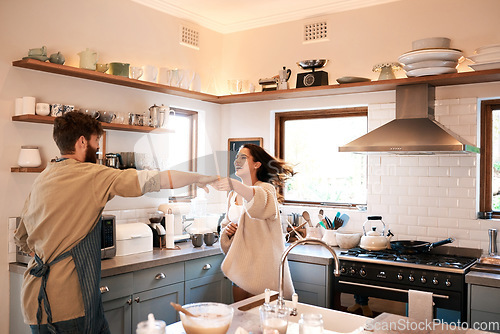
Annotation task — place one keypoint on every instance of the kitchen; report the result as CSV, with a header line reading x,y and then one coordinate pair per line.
x,y
127,31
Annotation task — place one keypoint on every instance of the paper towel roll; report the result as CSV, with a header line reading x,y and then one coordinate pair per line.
x,y
169,224
420,305
169,241
19,106
29,105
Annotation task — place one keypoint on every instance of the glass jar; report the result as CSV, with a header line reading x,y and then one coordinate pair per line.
x,y
311,323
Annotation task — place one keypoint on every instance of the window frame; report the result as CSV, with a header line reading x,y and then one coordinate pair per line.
x,y
486,158
279,143
193,165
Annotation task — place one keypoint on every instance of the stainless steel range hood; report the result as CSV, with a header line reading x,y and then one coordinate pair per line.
x,y
414,131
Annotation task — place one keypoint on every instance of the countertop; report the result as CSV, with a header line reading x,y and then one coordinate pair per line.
x,y
122,264
483,278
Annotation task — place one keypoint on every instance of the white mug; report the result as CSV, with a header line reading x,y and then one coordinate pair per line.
x,y
164,76
19,106
29,105
42,109
150,73
135,72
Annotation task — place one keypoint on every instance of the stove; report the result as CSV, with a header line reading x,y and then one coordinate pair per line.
x,y
389,275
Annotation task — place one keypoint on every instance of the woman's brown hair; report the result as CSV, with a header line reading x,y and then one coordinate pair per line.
x,y
272,170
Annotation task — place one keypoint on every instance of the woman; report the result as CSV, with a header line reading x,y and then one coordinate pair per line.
x,y
251,235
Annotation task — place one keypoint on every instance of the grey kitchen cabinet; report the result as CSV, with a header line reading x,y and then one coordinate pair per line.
x,y
312,282
205,281
484,307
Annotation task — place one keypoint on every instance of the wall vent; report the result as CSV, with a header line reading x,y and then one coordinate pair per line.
x,y
190,37
316,32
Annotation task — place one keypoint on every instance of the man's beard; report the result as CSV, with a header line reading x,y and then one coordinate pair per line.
x,y
91,154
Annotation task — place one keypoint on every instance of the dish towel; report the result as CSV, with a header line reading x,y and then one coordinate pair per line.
x,y
420,305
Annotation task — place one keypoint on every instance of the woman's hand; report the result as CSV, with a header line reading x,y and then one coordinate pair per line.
x,y
224,184
203,180
230,229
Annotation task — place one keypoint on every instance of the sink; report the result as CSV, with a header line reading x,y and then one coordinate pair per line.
x,y
333,321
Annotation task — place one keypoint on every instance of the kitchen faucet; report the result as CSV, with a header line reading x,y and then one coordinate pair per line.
x,y
336,272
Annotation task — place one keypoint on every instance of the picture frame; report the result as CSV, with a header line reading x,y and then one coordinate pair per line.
x,y
233,145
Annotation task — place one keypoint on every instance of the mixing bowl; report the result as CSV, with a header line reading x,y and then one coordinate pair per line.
x,y
212,318
348,240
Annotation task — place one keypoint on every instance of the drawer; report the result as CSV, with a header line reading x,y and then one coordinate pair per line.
x,y
118,286
202,267
308,273
484,298
156,277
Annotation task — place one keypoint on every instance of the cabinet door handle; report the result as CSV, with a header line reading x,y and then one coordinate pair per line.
x,y
137,299
129,301
160,276
208,266
104,289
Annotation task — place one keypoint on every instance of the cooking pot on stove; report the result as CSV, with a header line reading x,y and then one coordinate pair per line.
x,y
373,240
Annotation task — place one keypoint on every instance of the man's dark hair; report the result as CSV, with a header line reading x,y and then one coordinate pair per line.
x,y
71,126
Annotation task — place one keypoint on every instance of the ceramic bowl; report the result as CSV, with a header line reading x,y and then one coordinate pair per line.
x,y
214,318
431,43
348,240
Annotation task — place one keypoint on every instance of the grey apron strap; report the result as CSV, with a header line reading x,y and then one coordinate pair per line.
x,y
42,270
87,258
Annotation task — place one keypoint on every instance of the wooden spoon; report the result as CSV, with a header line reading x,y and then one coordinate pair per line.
x,y
179,308
306,216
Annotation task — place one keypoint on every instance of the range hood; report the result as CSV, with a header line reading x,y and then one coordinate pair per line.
x,y
414,131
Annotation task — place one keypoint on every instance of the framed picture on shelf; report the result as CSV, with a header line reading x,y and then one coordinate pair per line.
x,y
233,145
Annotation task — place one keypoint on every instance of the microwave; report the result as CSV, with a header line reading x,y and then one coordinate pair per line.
x,y
108,239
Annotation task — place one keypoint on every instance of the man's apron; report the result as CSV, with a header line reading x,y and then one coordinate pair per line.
x,y
87,258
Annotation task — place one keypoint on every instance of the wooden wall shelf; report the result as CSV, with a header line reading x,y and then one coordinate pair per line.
x,y
352,88
26,169
105,126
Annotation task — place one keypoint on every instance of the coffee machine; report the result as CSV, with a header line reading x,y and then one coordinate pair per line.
x,y
314,78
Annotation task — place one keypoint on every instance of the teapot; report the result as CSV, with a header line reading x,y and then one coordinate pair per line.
x,y
88,59
373,240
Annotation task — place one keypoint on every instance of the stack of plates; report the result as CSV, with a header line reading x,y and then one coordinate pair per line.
x,y
430,61
486,58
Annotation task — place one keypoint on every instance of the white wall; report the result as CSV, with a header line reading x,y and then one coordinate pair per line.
x,y
125,31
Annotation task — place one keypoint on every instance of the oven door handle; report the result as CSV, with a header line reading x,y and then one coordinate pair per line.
x,y
389,289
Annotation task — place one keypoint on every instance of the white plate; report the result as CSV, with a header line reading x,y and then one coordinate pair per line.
x,y
430,54
487,49
486,57
430,63
430,71
485,66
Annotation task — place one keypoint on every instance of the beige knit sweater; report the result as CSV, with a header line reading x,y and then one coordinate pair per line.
x,y
254,252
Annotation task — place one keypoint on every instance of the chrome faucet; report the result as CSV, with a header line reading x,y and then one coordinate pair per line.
x,y
336,272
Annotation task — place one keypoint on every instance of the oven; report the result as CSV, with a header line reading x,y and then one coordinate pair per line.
x,y
388,275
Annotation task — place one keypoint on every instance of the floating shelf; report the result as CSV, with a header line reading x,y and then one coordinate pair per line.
x,y
351,88
105,126
26,169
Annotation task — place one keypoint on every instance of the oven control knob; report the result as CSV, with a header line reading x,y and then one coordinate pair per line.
x,y
423,279
435,281
362,272
352,271
411,278
342,270
447,283
400,276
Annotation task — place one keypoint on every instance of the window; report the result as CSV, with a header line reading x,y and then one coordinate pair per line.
x,y
182,148
490,158
309,140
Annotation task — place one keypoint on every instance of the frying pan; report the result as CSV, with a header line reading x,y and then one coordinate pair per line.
x,y
414,247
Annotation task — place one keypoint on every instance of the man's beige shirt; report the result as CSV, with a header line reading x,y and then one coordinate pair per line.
x,y
64,205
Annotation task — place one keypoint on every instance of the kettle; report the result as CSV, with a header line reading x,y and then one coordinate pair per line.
x,y
373,240
114,160
284,75
88,59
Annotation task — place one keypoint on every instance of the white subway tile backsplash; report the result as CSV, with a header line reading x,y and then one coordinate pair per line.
x,y
467,182
442,110
437,212
417,230
407,220
461,109
428,181
397,210
448,120
439,171
428,201
427,221
448,161
449,182
437,232
448,202
448,222
419,171
418,191
408,161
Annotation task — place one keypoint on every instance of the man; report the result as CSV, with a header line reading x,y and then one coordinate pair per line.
x,y
60,226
